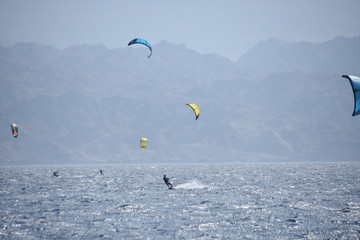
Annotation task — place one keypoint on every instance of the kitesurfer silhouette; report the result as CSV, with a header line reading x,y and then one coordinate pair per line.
x,y
167,182
56,173
101,172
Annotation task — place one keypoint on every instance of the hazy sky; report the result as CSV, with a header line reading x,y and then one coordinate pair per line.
x,y
227,27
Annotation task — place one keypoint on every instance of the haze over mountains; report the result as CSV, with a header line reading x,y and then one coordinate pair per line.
x,y
89,104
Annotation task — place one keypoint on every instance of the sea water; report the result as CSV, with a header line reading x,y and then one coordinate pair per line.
x,y
209,201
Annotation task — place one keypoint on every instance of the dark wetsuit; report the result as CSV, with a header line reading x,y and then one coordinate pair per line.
x,y
167,181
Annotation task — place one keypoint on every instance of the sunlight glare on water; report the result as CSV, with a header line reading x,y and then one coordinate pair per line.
x,y
243,201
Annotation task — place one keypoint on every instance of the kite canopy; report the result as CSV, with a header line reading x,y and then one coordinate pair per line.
x,y
355,84
14,129
195,108
143,143
143,42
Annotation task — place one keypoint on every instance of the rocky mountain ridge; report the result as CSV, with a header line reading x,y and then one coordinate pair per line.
x,y
91,104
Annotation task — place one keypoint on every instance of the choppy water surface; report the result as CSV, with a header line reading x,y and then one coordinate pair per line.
x,y
244,201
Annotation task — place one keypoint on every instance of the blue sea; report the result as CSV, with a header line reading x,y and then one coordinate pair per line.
x,y
209,201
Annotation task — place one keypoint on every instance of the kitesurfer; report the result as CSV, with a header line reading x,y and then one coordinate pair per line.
x,y
101,172
56,173
167,182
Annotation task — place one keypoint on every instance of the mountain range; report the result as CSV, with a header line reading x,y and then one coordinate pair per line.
x,y
89,104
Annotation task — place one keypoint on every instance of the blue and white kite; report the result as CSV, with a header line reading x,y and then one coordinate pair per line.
x,y
141,41
355,84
